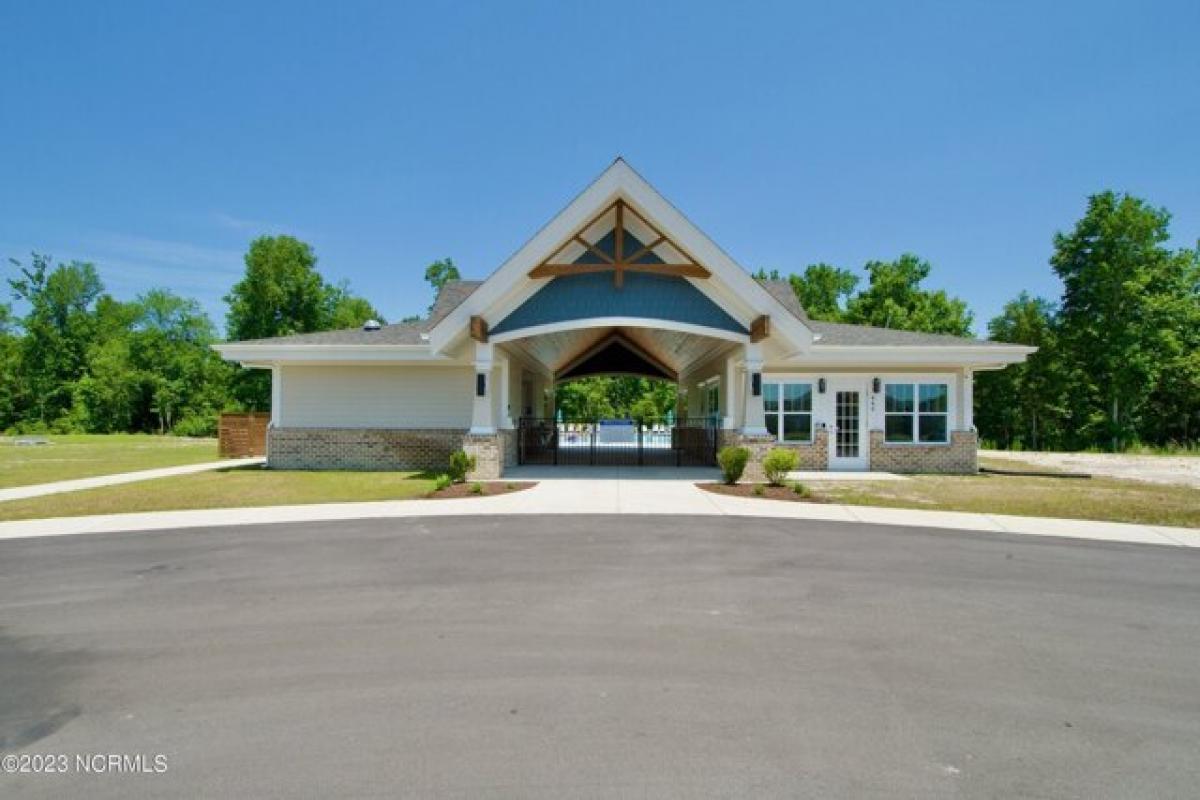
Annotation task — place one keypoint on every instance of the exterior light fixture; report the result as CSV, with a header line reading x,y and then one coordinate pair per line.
x,y
875,385
820,386
480,384
756,384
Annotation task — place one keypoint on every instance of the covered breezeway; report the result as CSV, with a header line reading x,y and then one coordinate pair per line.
x,y
689,434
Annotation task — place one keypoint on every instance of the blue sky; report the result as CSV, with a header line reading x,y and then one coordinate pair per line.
x,y
157,139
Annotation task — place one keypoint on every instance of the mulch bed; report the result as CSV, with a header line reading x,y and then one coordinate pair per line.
x,y
490,489
768,492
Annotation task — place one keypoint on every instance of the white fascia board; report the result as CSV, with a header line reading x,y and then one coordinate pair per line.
x,y
965,355
510,285
332,353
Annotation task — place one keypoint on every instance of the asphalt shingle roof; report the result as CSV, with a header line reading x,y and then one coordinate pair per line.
x,y
449,298
840,334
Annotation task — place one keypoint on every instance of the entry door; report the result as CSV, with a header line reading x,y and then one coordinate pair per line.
x,y
848,439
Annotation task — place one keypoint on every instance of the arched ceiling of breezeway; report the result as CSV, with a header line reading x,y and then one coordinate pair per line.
x,y
675,352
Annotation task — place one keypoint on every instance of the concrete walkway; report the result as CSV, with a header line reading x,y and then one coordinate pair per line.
x,y
612,490
40,489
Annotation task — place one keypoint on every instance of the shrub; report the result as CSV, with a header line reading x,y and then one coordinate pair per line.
x,y
442,481
733,463
460,465
759,490
202,425
777,464
476,488
800,489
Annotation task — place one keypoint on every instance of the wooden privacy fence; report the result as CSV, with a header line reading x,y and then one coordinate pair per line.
x,y
242,434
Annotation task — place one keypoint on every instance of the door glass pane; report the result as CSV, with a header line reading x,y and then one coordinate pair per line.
x,y
935,397
933,428
773,424
898,398
846,416
898,428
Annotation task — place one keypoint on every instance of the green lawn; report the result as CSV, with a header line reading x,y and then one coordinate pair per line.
x,y
85,456
1095,498
226,488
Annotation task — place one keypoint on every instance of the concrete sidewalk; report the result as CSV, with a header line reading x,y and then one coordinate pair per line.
x,y
609,491
97,481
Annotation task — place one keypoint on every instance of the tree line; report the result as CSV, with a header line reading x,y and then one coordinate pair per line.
x,y
79,360
1118,362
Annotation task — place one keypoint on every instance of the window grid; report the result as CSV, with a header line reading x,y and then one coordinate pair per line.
x,y
917,412
788,408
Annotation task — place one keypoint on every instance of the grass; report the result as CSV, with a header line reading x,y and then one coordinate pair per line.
x,y
226,488
1107,499
84,456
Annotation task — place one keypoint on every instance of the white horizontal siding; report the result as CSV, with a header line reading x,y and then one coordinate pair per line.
x,y
376,397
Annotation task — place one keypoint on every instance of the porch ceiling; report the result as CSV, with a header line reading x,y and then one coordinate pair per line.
x,y
677,351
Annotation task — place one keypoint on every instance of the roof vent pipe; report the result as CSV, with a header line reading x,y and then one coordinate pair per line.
x,y
371,325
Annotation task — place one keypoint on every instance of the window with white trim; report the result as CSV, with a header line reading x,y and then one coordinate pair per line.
x,y
788,407
916,412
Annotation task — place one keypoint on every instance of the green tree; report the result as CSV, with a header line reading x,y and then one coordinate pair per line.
x,y
441,272
58,330
282,293
615,396
1122,289
1022,405
894,299
347,310
824,290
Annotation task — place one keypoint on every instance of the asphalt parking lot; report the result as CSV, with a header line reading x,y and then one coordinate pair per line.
x,y
582,656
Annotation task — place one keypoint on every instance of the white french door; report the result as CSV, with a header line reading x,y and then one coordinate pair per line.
x,y
848,440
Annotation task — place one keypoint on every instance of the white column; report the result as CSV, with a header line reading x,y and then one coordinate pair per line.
x,y
276,395
754,421
506,417
482,420
729,381
968,402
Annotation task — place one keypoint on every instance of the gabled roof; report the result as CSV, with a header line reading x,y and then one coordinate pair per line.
x,y
452,294
730,285
838,334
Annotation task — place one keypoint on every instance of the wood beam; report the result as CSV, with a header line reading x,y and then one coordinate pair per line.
x,y
645,249
594,250
479,329
554,270
619,246
760,328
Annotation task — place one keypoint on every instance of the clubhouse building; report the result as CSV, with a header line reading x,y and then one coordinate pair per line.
x,y
621,283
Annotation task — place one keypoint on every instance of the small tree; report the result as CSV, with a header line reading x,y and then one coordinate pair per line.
x,y
733,463
460,464
777,464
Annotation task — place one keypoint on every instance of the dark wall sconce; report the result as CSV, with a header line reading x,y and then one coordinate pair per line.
x,y
480,384
756,384
875,385
820,386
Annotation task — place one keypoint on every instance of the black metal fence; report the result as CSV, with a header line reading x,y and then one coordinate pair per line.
x,y
685,443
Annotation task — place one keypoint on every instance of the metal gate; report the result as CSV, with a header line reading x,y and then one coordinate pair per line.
x,y
626,443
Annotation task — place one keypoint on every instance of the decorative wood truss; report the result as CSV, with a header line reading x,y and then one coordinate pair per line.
x,y
620,240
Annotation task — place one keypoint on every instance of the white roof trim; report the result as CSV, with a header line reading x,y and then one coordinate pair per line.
x,y
510,280
962,355
246,353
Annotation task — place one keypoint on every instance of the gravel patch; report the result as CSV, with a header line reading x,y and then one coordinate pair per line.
x,y
1181,470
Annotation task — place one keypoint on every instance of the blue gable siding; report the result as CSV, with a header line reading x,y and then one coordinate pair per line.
x,y
644,296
